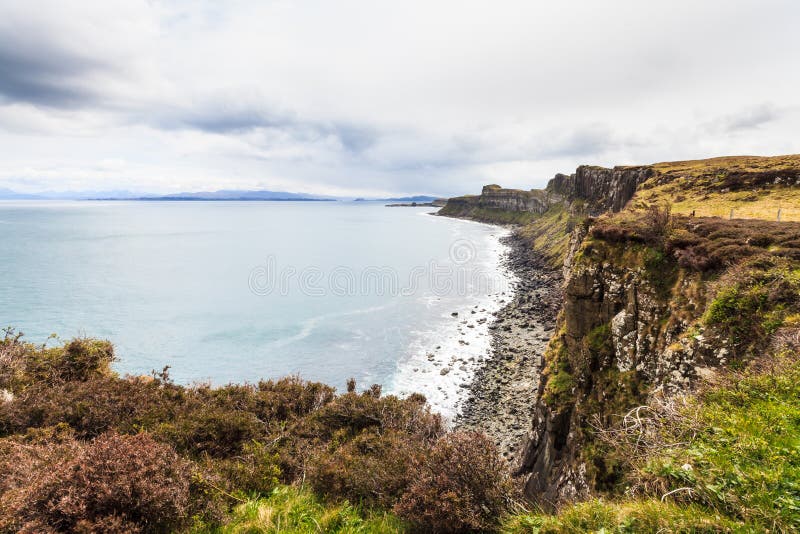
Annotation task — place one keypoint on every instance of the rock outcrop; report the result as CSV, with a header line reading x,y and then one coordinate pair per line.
x,y
622,337
601,189
598,190
494,199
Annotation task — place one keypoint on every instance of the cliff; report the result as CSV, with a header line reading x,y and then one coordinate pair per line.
x,y
599,188
496,204
659,301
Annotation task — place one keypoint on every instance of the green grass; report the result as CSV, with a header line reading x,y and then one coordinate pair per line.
x,y
745,460
292,510
731,456
649,516
550,233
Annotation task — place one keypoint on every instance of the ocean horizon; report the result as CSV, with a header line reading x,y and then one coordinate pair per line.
x,y
234,291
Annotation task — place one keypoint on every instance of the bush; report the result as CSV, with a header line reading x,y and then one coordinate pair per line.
x,y
658,221
113,484
753,300
92,407
23,364
214,431
255,471
374,468
359,442
462,486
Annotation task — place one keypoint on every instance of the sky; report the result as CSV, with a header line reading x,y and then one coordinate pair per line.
x,y
377,97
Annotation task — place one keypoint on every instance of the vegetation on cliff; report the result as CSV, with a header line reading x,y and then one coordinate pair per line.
x,y
665,389
82,449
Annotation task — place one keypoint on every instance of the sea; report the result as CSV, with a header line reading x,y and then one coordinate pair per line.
x,y
243,291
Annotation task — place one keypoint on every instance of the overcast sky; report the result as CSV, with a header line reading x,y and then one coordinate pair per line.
x,y
375,97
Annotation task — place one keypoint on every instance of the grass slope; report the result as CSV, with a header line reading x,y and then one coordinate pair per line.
x,y
727,461
746,187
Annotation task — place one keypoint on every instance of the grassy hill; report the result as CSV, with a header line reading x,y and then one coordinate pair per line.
x,y
749,187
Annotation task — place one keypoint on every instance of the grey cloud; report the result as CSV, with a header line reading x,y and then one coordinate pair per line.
x,y
747,119
219,116
355,138
33,72
216,117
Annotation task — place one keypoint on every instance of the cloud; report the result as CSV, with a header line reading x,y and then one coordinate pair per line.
x,y
747,119
44,79
370,97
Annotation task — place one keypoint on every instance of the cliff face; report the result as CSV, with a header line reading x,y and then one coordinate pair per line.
x,y
597,189
650,311
654,303
612,349
494,202
601,189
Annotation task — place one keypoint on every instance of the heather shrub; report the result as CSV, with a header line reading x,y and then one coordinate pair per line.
x,y
255,471
213,431
354,412
114,483
753,300
93,406
374,468
320,442
292,397
23,364
658,221
461,486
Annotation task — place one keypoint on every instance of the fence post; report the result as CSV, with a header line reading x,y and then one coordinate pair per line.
x,y
779,214
731,215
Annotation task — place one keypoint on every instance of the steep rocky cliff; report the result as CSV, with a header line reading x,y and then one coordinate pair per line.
x,y
594,189
496,204
599,188
655,302
650,311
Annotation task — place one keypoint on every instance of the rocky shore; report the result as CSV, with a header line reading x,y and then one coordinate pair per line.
x,y
503,392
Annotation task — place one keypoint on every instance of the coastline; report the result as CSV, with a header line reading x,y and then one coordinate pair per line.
x,y
442,361
502,394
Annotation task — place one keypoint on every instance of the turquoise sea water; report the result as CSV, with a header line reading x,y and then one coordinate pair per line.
x,y
237,291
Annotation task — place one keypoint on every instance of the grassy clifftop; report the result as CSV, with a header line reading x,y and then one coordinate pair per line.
x,y
669,385
748,187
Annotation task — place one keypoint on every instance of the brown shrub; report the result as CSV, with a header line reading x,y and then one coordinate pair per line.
x,y
23,364
358,432
658,221
292,397
214,431
254,471
93,406
373,468
353,413
113,484
461,486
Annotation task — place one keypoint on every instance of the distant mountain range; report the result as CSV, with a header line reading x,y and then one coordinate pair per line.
x,y
234,194
224,194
